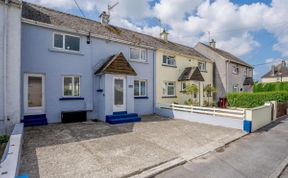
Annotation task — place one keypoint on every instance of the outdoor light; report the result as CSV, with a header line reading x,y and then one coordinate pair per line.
x,y
89,38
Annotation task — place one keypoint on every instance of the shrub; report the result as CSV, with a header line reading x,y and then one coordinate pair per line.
x,y
250,100
4,138
265,87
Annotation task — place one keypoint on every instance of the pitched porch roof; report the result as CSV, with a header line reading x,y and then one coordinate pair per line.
x,y
248,81
191,73
116,64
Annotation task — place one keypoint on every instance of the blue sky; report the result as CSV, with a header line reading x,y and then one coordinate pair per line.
x,y
254,30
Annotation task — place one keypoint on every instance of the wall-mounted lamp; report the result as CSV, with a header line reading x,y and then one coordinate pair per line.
x,y
89,38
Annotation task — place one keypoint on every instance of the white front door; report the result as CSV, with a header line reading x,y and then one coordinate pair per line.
x,y
34,96
119,94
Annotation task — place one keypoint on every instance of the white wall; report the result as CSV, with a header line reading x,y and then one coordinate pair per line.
x,y
201,118
259,116
10,50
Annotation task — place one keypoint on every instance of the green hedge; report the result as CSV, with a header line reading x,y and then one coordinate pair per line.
x,y
265,87
250,100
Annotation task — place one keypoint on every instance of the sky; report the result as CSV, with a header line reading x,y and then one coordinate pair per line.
x,y
254,30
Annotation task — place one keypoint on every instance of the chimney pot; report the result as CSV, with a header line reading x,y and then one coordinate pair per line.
x,y
164,35
105,18
212,43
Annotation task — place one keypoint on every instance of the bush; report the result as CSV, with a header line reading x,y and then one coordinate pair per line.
x,y
250,100
4,138
265,87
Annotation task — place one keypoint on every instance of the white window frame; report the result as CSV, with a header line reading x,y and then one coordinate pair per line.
x,y
182,86
140,52
168,57
202,66
235,69
245,72
63,41
139,82
166,83
73,85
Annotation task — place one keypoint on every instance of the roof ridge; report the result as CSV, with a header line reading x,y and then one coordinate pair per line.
x,y
77,16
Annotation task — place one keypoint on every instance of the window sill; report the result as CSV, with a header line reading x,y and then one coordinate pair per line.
x,y
166,65
70,98
169,96
65,51
141,97
139,61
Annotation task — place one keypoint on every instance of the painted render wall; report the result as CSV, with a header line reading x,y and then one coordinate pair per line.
x,y
274,79
54,64
224,79
167,73
10,39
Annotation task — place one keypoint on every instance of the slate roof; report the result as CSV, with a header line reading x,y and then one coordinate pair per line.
x,y
280,68
191,73
248,81
229,56
17,2
116,64
49,16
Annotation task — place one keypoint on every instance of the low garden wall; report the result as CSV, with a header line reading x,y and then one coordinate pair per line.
x,y
10,161
235,123
258,117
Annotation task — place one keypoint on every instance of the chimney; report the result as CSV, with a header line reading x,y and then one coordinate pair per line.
x,y
164,35
212,43
283,63
105,18
273,70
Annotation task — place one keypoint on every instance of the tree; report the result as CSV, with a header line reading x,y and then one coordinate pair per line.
x,y
191,90
209,89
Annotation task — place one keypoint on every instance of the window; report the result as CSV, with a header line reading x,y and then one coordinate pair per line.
x,y
235,69
71,86
183,86
66,42
169,60
245,72
169,89
235,88
140,88
138,54
202,66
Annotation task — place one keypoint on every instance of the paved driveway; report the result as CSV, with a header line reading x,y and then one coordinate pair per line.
x,y
96,149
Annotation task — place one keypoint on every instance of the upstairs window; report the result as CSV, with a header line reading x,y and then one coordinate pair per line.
x,y
235,69
140,88
245,72
66,42
202,66
71,86
169,60
137,54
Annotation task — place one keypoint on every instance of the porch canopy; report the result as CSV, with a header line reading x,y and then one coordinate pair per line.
x,y
191,73
248,81
116,64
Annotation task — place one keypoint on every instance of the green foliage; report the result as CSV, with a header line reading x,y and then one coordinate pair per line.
x,y
250,100
266,87
190,102
4,138
191,89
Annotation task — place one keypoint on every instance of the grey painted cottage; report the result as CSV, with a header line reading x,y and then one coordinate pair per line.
x,y
231,74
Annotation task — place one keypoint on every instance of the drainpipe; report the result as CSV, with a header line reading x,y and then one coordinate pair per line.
x,y
227,75
5,47
154,84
